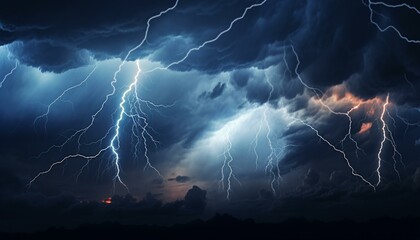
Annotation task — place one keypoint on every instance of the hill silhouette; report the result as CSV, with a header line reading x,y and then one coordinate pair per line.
x,y
228,227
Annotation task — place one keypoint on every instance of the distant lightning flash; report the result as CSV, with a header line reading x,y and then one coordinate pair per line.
x,y
227,163
9,73
255,143
272,165
389,27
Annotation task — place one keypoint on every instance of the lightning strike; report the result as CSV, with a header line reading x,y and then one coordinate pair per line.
x,y
272,165
384,138
86,157
227,163
209,41
391,27
114,144
387,136
319,94
9,73
343,154
255,143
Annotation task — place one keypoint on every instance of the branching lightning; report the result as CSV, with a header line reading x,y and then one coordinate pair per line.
x,y
347,114
209,41
227,163
136,113
344,155
272,165
348,135
391,27
114,144
387,135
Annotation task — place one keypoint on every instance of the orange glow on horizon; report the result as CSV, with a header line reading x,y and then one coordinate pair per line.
x,y
107,200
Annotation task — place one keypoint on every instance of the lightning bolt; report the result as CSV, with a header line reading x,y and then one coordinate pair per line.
x,y
384,138
406,122
86,157
391,27
343,154
47,112
211,40
255,144
9,73
348,135
319,94
387,136
114,144
227,163
271,166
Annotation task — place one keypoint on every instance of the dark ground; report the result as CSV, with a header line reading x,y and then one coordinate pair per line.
x,y
227,227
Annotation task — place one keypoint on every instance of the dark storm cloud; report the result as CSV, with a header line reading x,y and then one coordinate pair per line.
x,y
195,199
216,92
311,178
331,51
240,78
48,56
266,194
180,179
328,201
335,42
337,177
315,152
115,27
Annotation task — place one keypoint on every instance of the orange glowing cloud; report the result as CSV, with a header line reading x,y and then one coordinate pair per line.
x,y
365,127
339,99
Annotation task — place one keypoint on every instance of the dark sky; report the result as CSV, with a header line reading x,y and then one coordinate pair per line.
x,y
264,109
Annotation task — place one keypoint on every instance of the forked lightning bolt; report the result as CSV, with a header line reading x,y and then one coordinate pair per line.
x,y
115,143
9,73
319,94
227,163
353,171
387,136
272,165
209,41
79,133
348,135
370,5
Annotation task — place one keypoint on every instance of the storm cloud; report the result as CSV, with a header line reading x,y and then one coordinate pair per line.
x,y
286,109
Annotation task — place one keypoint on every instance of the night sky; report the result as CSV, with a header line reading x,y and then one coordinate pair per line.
x,y
176,110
